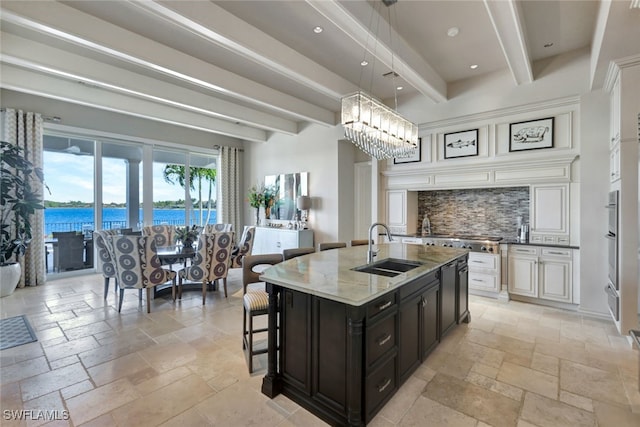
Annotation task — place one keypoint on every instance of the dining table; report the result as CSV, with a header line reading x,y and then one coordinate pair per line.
x,y
170,255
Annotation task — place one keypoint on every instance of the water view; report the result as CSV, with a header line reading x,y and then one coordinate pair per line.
x,y
80,219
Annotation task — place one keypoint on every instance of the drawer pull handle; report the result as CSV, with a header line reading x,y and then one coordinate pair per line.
x,y
384,386
557,253
384,340
477,280
384,305
479,262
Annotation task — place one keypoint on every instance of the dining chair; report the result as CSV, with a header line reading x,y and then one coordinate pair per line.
x,y
243,247
359,242
217,228
138,266
296,252
163,235
210,263
68,251
255,302
105,254
331,245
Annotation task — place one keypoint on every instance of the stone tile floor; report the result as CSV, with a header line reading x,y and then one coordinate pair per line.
x,y
515,364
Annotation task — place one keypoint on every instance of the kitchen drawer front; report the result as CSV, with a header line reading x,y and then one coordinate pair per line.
x,y
484,261
381,337
382,305
412,240
483,282
379,386
556,253
523,250
419,285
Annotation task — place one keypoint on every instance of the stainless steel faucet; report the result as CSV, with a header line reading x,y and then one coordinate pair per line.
x,y
371,253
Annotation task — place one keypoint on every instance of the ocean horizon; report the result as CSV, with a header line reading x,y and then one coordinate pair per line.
x,y
82,219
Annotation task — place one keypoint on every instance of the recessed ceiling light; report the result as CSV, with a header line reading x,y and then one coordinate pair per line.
x,y
548,44
453,31
400,88
474,66
318,29
364,63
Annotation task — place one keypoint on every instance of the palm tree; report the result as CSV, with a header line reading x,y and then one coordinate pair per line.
x,y
175,174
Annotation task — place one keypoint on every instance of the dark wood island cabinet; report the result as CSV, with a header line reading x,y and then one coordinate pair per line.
x,y
341,342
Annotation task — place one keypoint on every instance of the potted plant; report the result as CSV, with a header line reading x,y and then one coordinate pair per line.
x,y
256,199
187,235
18,202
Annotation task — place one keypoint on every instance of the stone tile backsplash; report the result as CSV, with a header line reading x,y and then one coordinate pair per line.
x,y
485,211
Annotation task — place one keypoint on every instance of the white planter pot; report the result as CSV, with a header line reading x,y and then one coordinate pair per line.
x,y
9,278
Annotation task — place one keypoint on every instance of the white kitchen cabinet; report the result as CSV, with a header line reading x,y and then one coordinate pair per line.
x,y
614,163
615,113
274,240
549,212
484,274
402,211
540,272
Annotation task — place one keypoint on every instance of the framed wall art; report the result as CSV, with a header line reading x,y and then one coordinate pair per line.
x,y
410,159
461,144
531,135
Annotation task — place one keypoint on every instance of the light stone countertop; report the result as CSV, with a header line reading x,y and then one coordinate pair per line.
x,y
329,274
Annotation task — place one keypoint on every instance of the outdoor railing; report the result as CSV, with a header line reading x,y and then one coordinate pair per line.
x,y
50,227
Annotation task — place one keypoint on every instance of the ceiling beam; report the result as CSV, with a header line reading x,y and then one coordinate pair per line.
x,y
27,81
216,25
411,67
509,27
73,26
56,62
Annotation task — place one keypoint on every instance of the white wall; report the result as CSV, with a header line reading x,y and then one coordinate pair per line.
x,y
313,150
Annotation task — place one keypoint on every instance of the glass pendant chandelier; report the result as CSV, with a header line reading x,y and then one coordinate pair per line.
x,y
375,128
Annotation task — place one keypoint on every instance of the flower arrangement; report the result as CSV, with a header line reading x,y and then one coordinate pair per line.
x,y
256,196
188,235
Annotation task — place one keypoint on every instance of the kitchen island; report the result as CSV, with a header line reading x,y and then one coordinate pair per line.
x,y
342,341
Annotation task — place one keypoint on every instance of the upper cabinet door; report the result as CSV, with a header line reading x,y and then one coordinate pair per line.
x,y
397,208
550,209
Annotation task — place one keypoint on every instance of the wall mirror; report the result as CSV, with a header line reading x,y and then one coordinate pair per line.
x,y
288,187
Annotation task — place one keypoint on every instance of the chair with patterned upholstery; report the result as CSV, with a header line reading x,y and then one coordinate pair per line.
x,y
138,266
243,247
331,245
255,301
296,252
163,235
105,255
217,228
210,263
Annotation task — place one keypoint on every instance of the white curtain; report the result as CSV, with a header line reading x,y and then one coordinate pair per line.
x,y
24,129
230,199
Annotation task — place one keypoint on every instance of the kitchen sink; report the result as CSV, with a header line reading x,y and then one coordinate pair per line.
x,y
389,267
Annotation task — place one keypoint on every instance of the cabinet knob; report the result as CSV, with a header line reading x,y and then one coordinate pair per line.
x,y
424,302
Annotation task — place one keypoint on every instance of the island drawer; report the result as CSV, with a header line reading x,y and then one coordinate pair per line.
x,y
418,285
381,337
379,386
384,304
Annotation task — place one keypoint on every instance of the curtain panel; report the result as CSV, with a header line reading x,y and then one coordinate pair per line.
x,y
230,198
24,129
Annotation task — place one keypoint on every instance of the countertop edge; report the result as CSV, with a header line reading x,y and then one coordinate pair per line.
x,y
397,281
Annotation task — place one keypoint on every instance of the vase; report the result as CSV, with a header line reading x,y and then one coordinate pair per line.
x,y
267,212
9,278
